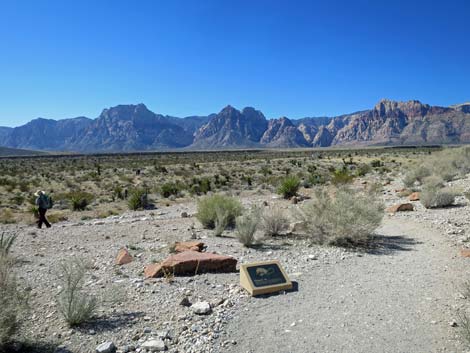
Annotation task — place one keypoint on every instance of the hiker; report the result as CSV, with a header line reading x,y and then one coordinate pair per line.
x,y
44,203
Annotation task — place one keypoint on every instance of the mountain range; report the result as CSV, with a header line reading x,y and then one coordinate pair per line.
x,y
135,128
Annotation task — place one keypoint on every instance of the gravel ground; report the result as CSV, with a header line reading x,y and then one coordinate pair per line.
x,y
400,296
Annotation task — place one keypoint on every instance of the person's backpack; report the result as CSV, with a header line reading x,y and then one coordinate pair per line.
x,y
49,202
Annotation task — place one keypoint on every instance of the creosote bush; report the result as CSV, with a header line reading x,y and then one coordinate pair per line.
x,y
274,221
289,187
246,226
433,196
343,219
216,208
74,304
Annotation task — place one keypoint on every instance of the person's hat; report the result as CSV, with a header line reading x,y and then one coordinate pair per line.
x,y
39,192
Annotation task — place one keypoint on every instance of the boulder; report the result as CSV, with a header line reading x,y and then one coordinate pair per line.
x,y
106,347
201,308
123,257
191,263
402,207
154,345
189,246
465,252
414,196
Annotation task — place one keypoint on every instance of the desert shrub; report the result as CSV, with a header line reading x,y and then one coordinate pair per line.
x,y
118,192
137,199
79,200
274,221
416,174
345,218
228,207
341,176
376,163
363,169
432,196
13,301
433,181
56,217
289,187
74,304
246,226
6,216
6,242
170,188
464,326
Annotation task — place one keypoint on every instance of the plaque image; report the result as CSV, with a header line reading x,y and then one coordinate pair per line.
x,y
264,277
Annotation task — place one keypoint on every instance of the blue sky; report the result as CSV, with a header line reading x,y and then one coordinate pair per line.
x,y
67,58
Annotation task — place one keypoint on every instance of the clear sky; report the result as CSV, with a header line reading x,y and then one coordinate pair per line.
x,y
69,58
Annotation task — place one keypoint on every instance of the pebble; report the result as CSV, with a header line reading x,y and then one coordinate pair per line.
x,y
106,347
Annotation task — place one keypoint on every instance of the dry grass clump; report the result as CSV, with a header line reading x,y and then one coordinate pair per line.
x,y
12,300
343,219
274,221
432,196
74,304
6,216
218,210
246,226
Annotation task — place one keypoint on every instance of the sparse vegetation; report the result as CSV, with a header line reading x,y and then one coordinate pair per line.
x,y
79,200
341,219
289,187
218,208
274,221
246,226
433,196
74,304
138,199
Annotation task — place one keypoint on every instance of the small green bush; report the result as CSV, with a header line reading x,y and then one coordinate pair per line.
x,y
79,200
74,304
246,226
170,188
137,199
341,176
6,242
343,219
228,207
416,174
289,187
432,196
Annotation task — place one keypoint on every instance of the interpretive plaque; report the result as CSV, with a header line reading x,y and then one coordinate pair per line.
x,y
264,277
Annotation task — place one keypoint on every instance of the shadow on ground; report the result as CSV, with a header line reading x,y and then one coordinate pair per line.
x,y
112,322
29,346
387,245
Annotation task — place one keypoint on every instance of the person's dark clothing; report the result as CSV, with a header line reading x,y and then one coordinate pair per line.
x,y
42,218
43,204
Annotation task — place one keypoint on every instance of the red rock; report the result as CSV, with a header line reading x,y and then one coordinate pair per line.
x,y
123,257
189,246
191,263
465,252
400,190
414,196
400,208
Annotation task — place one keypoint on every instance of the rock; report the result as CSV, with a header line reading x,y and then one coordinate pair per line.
x,y
294,200
123,257
189,246
403,207
191,263
296,227
185,302
201,308
106,347
184,215
154,345
414,196
465,252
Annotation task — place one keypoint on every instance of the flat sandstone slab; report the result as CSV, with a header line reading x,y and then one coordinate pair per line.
x,y
191,263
